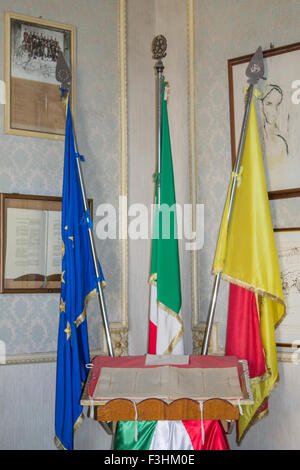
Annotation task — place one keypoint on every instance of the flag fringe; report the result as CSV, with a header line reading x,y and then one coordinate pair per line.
x,y
261,378
258,415
76,426
256,290
175,315
58,444
179,335
153,279
80,319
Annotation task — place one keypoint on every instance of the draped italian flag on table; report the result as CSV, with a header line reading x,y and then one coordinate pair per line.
x,y
166,326
246,256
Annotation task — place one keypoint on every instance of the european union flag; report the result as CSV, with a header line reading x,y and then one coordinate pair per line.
x,y
78,285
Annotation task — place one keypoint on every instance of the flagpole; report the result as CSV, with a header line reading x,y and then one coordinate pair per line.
x,y
255,71
159,47
213,302
107,426
95,260
93,248
63,75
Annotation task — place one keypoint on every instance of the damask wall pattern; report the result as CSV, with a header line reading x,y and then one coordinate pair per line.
x,y
29,323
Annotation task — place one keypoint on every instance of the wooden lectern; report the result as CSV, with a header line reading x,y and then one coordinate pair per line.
x,y
125,409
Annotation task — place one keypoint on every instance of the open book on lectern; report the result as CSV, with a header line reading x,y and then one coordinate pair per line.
x,y
168,383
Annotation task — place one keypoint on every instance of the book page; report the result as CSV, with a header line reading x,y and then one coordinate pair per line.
x,y
166,359
132,383
53,260
25,242
201,384
168,383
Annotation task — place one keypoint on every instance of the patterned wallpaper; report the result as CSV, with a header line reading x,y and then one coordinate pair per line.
x,y
224,30
28,323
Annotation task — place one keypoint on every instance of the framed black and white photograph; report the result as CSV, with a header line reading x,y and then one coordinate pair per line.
x,y
34,105
278,115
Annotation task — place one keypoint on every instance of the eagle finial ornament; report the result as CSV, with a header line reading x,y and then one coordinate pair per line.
x,y
159,47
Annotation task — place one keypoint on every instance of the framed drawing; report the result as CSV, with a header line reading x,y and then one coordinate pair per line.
x,y
288,248
31,247
33,100
278,114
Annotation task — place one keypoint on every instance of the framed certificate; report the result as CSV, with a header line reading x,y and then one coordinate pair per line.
x,y
31,246
288,248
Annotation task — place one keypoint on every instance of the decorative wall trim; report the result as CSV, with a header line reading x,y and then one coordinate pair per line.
x,y
36,358
122,44
197,327
193,155
119,337
30,358
119,331
198,336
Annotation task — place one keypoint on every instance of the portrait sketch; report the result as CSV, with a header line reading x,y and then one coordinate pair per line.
x,y
278,116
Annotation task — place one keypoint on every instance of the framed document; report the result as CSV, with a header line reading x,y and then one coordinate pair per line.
x,y
33,100
288,248
278,114
31,246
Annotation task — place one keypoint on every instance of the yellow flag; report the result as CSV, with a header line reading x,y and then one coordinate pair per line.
x,y
246,255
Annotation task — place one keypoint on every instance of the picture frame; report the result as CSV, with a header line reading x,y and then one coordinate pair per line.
x,y
288,248
31,246
33,104
278,114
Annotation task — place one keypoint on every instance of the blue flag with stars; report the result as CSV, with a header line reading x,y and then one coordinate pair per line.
x,y
78,285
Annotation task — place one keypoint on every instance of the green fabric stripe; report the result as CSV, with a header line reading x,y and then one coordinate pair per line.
x,y
165,255
125,435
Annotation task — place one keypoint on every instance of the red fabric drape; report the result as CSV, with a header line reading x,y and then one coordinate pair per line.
x,y
215,437
152,338
243,332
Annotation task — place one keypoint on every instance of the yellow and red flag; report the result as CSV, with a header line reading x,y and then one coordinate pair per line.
x,y
246,256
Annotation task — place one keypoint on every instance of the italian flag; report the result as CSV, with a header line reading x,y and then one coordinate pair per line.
x,y
165,323
170,435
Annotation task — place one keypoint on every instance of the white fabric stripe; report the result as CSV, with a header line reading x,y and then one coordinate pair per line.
x,y
153,304
167,326
167,329
202,425
170,435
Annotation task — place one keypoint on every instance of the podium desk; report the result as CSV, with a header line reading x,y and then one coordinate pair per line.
x,y
148,409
